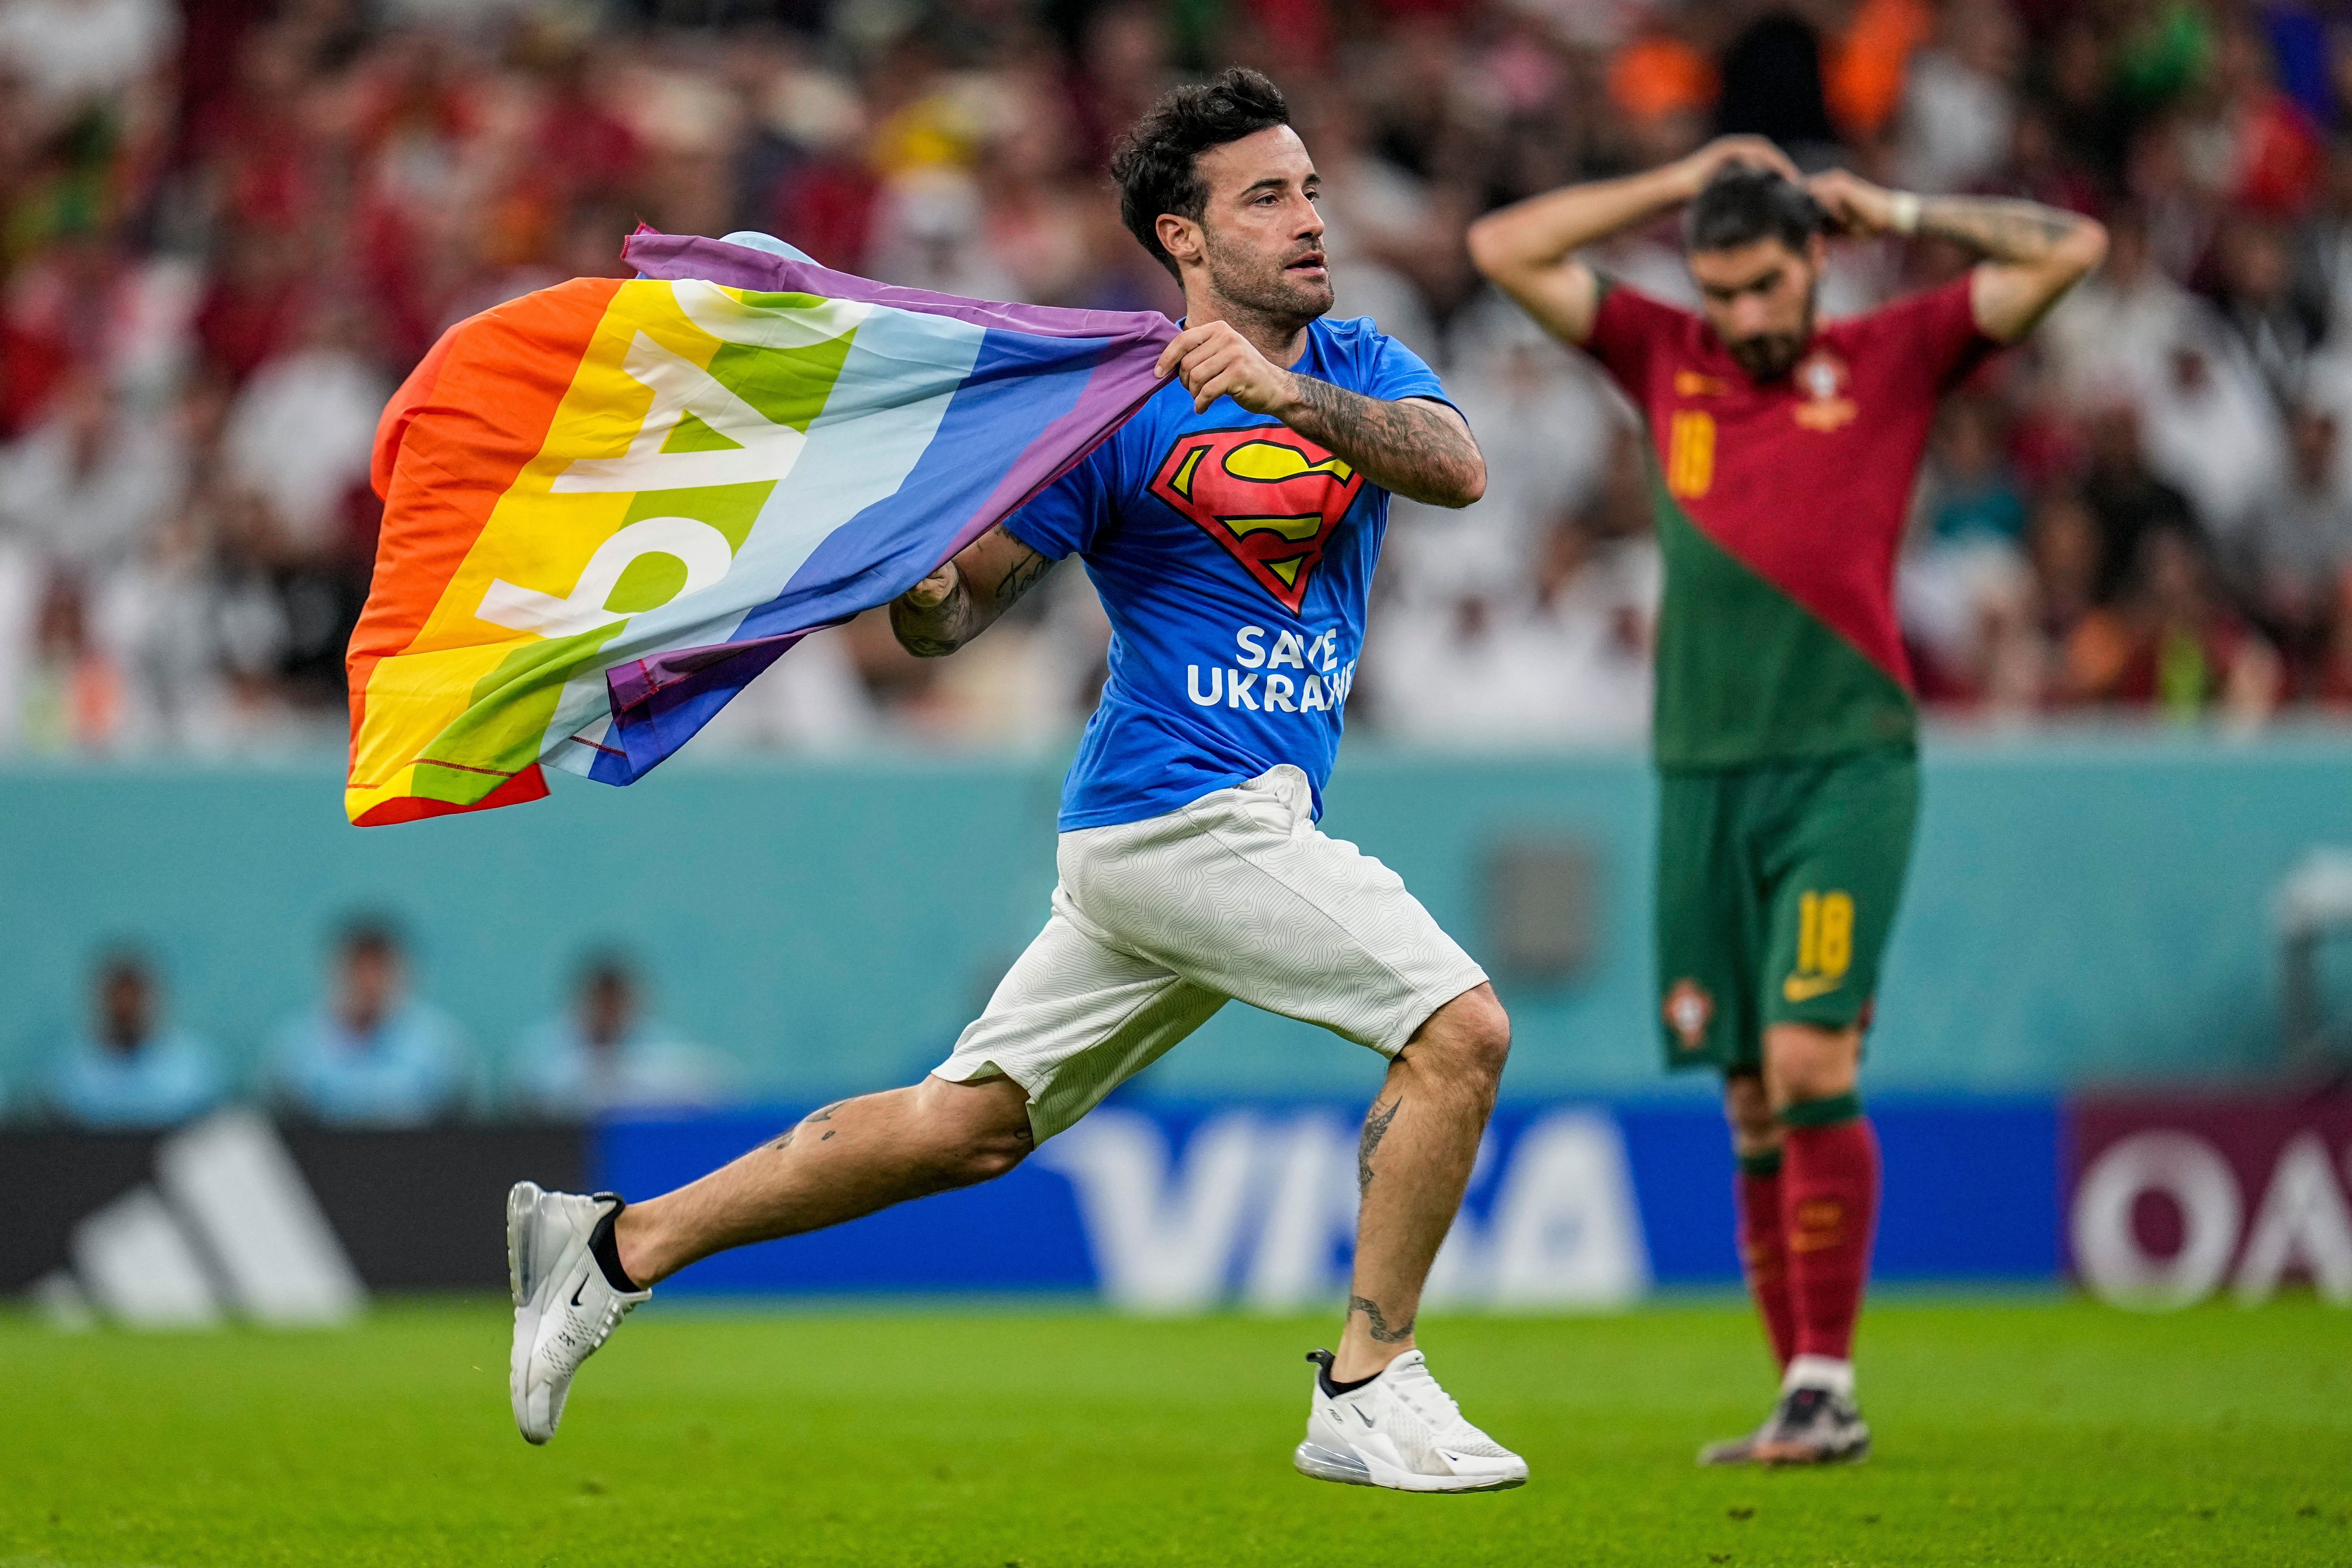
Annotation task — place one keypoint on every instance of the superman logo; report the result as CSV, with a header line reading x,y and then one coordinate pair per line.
x,y
1269,496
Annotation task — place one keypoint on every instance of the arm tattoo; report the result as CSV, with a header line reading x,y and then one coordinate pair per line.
x,y
1021,579
946,626
2004,230
934,632
1376,1127
1379,1319
1406,447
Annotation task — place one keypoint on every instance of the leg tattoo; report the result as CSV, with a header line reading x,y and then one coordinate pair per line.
x,y
821,1113
1379,1319
1376,1127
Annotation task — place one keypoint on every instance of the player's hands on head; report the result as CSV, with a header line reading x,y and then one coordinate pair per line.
x,y
1852,203
1760,150
1214,359
929,593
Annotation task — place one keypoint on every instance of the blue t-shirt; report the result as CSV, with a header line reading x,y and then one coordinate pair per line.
x,y
1234,558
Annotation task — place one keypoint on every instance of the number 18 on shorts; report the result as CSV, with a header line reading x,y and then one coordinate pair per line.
x,y
1777,888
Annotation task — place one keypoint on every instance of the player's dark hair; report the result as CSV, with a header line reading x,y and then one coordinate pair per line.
x,y
123,960
370,936
1743,203
606,966
1155,165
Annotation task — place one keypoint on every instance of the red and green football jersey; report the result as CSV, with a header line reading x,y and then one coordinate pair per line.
x,y
1781,507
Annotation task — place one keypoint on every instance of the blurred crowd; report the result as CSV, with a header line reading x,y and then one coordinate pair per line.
x,y
228,227
370,1052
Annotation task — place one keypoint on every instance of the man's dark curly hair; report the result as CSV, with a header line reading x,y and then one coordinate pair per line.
x,y
1155,163
1743,203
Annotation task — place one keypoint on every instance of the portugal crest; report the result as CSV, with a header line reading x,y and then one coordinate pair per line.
x,y
1824,380
1270,497
1688,1011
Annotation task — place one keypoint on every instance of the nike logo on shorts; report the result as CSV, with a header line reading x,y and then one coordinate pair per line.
x,y
1805,987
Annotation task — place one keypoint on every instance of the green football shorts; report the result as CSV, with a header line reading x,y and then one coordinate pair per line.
x,y
1777,887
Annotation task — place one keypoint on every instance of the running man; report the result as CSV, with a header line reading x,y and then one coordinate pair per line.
x,y
1785,453
1231,528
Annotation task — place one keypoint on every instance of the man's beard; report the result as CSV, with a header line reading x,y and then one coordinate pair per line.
x,y
1768,356
1267,288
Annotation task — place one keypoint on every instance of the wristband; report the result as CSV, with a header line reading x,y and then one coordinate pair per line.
x,y
1902,213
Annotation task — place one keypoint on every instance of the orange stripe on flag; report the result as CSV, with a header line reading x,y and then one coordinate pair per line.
x,y
451,442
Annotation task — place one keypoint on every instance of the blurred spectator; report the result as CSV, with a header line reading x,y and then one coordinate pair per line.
x,y
78,52
1545,424
2277,312
2064,541
1972,493
2208,427
73,699
301,430
2127,501
2109,336
603,1054
132,1069
1959,104
2172,643
88,484
1568,663
371,1054
2297,546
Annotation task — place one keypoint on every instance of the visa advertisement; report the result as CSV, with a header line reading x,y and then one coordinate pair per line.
x,y
2150,1203
1573,1205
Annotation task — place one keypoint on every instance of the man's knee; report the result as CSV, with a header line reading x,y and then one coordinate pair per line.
x,y
985,1156
1755,1129
1469,1038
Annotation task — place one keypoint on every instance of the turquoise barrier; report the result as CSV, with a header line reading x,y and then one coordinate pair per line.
x,y
2084,909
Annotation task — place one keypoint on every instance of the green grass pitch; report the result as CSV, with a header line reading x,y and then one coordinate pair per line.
x,y
2040,1432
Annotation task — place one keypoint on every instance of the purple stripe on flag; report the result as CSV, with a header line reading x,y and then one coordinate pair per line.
x,y
671,257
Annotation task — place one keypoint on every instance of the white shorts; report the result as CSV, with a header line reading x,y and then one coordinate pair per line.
x,y
1156,923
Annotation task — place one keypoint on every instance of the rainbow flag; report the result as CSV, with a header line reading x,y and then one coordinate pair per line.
x,y
608,505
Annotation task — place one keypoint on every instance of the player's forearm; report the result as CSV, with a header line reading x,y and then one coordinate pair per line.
x,y
1543,231
2018,232
2033,255
1413,450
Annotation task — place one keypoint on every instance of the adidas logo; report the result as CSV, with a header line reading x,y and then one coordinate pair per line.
x,y
226,1227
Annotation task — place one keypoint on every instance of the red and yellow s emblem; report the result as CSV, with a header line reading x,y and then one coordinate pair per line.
x,y
1269,496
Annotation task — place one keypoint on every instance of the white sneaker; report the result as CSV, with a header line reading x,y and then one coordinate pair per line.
x,y
564,1308
1400,1430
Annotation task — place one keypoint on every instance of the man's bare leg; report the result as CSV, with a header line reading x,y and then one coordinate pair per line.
x,y
1418,1144
848,1158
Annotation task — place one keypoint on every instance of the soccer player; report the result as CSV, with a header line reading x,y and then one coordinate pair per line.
x,y
1785,451
1231,528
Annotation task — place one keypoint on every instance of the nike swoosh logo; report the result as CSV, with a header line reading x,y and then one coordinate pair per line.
x,y
1803,988
577,1289
1359,1411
